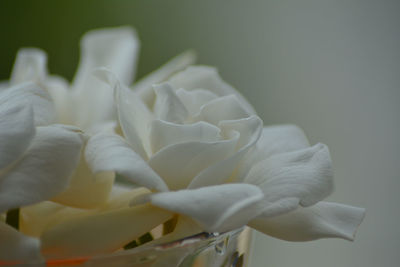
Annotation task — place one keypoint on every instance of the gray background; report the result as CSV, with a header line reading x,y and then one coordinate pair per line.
x,y
331,67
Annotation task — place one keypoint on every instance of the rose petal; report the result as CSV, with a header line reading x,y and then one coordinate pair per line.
x,y
164,133
134,116
79,237
274,140
44,170
30,66
16,132
250,130
204,77
144,86
114,48
16,247
303,174
168,106
178,164
26,94
222,108
195,99
322,220
105,152
215,208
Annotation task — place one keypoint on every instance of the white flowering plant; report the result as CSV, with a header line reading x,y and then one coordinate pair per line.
x,y
90,166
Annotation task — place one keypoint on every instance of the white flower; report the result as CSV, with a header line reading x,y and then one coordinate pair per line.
x,y
36,161
193,145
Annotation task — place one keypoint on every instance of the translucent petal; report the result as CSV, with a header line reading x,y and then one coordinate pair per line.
x,y
80,236
322,220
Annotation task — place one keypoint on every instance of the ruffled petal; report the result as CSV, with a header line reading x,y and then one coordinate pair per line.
x,y
79,237
45,168
215,208
163,133
16,247
144,86
222,108
30,94
274,140
322,220
305,175
105,152
195,99
30,66
179,163
249,130
134,116
168,106
16,132
204,77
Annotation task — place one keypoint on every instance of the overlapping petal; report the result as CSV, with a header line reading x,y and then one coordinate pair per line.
x,y
274,140
305,175
144,88
29,94
45,168
216,208
322,220
16,132
204,77
168,106
106,152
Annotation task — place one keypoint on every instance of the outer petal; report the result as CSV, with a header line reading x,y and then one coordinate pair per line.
x,y
250,130
216,208
30,66
30,94
144,86
274,140
134,116
44,170
80,236
164,133
16,247
114,48
106,152
168,106
204,77
16,132
322,220
178,164
304,174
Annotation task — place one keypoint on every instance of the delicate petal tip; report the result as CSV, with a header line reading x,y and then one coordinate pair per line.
x,y
30,65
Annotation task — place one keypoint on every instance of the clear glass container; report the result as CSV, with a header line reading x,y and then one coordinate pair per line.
x,y
201,250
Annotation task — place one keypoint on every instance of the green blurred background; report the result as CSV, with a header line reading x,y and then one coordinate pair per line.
x,y
332,67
